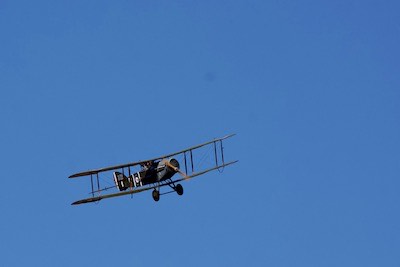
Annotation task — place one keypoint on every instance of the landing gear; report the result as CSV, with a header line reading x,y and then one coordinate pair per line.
x,y
156,195
179,189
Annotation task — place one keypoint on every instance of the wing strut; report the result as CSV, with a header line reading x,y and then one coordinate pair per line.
x,y
221,152
91,183
215,152
191,160
184,156
98,182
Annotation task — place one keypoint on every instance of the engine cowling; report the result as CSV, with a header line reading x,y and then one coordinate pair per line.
x,y
167,171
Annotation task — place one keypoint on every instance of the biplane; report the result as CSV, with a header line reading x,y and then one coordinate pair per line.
x,y
153,174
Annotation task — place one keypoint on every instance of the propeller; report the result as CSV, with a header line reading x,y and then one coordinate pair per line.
x,y
167,163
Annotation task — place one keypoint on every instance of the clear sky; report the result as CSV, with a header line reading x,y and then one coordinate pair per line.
x,y
310,87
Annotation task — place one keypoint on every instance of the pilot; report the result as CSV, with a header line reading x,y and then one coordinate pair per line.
x,y
146,165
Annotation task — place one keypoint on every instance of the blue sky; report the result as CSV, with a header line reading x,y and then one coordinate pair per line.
x,y
311,88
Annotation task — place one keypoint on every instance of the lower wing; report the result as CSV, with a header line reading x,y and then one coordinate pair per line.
x,y
135,191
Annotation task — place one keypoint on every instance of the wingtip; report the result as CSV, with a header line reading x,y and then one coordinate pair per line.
x,y
74,175
228,136
87,200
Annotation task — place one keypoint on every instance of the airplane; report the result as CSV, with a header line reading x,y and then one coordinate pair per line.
x,y
153,174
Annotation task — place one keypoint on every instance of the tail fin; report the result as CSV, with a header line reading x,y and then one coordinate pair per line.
x,y
121,181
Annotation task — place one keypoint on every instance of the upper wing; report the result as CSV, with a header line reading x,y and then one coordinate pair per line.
x,y
195,147
96,171
135,191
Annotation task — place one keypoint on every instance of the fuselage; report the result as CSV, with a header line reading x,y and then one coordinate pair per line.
x,y
151,172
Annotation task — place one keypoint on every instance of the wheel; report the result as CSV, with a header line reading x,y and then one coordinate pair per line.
x,y
179,189
156,195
